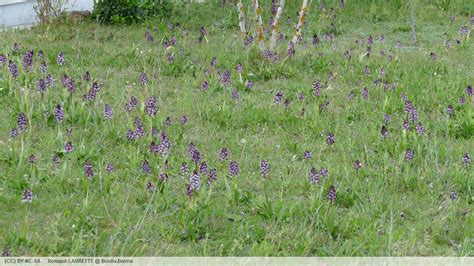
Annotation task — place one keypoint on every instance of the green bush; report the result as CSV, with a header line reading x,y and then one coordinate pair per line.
x,y
130,11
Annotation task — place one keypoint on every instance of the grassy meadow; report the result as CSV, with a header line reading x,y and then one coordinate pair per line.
x,y
357,143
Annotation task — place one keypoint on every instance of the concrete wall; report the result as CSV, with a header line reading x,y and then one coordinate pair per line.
x,y
20,12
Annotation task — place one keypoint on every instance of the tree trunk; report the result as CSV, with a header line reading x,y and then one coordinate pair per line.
x,y
260,35
299,26
240,9
413,21
275,25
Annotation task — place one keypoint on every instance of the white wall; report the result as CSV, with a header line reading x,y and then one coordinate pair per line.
x,y
80,5
20,12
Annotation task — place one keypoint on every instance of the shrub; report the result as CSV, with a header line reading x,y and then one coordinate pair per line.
x,y
130,11
49,10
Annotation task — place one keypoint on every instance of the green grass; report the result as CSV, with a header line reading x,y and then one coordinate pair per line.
x,y
391,207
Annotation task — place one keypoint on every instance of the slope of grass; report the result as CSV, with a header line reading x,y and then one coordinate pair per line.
x,y
391,206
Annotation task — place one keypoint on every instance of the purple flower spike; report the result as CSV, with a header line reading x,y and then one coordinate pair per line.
x,y
3,59
330,139
68,147
420,129
464,30
108,113
278,97
332,194
32,159
205,85
196,156
131,136
189,191
203,168
184,168
41,86
453,195
191,149
367,70
357,165
27,196
55,159
132,103
384,132
143,78
195,181
151,106
223,154
87,76
225,78
234,95
409,155
314,175
213,61
28,61
49,80
291,49
6,252
16,47
365,93
58,113
13,68
167,122
316,40
264,168
317,88
324,173
109,168
88,171
351,95
22,122
146,169
466,159
150,186
469,91
163,177
14,132
406,125
183,120
212,177
239,68
60,59
234,168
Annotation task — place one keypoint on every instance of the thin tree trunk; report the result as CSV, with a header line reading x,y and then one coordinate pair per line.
x,y
413,21
299,26
260,35
275,25
240,9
